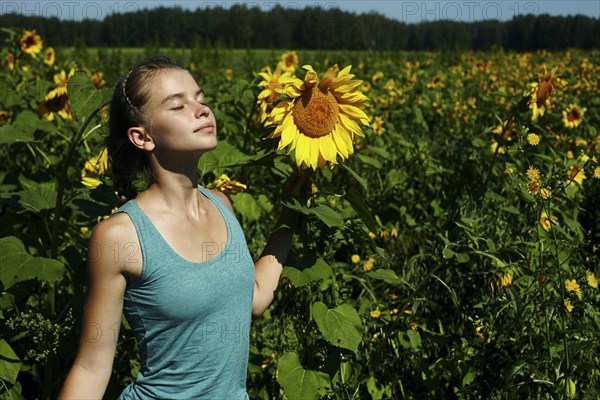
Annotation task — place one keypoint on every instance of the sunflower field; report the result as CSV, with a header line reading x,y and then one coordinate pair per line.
x,y
450,247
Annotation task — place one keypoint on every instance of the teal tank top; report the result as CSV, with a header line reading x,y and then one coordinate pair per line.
x,y
191,320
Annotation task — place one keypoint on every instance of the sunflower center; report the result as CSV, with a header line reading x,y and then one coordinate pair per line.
x,y
573,115
544,90
315,112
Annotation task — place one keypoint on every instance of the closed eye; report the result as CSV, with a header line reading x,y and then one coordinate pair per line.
x,y
177,108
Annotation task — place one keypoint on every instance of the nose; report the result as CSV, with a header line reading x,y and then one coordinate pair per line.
x,y
201,110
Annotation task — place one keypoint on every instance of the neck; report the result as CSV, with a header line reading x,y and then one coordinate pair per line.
x,y
174,186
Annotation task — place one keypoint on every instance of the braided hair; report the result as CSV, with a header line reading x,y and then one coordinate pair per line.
x,y
129,164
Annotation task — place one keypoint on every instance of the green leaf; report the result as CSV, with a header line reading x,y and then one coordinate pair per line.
x,y
262,157
18,265
410,340
10,364
85,98
357,201
327,215
36,200
23,128
246,205
318,271
321,211
300,383
223,155
361,181
386,275
419,117
375,390
369,160
340,326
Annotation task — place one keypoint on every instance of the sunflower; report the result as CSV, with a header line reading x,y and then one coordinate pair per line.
x,y
288,62
540,91
270,85
31,43
576,175
57,99
49,56
572,116
505,130
93,168
319,119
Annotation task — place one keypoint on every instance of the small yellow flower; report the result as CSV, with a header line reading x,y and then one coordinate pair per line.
x,y
413,326
509,171
378,126
226,185
568,305
572,286
84,230
369,264
375,313
31,43
97,79
372,235
355,258
546,192
229,74
592,281
10,61
597,172
479,333
533,173
546,221
533,139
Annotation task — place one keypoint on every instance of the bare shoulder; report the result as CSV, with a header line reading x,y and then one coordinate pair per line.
x,y
108,237
223,197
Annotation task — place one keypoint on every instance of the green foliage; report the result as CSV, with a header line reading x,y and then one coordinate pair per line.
x,y
431,264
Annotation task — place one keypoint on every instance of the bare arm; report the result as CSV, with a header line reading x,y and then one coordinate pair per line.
x,y
269,266
90,373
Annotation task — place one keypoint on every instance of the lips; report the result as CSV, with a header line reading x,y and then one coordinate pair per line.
x,y
208,127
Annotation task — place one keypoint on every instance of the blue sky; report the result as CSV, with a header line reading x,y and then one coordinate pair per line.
x,y
410,11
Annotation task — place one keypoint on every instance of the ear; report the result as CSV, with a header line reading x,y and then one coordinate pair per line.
x,y
140,138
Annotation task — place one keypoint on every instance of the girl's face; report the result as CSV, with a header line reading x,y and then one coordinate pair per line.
x,y
179,120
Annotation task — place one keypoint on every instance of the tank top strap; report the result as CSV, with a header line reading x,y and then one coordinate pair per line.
x,y
225,212
148,236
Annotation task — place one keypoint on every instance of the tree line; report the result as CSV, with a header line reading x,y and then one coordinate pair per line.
x,y
310,28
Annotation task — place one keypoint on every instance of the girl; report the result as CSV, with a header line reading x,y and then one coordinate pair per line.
x,y
173,258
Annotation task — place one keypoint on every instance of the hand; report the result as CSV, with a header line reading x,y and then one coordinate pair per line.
x,y
297,185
